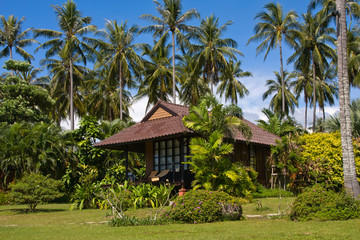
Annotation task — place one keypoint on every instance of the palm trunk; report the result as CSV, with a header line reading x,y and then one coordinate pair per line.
x,y
306,106
314,92
173,66
72,122
120,94
350,180
282,81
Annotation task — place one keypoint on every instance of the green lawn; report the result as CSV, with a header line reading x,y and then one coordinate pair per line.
x,y
55,221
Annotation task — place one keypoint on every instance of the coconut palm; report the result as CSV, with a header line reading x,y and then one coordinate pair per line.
x,y
274,26
329,7
303,86
72,26
353,45
193,86
158,74
333,123
275,88
278,124
171,20
350,179
230,86
102,95
59,84
326,89
212,50
312,49
120,54
11,36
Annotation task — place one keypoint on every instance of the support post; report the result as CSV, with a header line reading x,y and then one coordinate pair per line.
x,y
127,162
182,159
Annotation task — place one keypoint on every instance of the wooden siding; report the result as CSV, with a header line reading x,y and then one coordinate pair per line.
x,y
160,113
149,157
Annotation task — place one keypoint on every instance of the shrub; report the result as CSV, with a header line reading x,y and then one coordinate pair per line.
x,y
263,192
200,206
321,159
319,203
134,221
148,195
4,198
34,189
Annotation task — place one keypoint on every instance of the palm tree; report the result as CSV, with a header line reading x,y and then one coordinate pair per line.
x,y
171,20
158,74
212,50
350,179
311,47
274,26
303,86
353,45
66,41
326,89
275,87
120,54
193,87
279,125
333,123
102,94
59,84
11,37
230,86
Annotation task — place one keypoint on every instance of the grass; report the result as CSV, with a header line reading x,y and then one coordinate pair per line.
x,y
55,221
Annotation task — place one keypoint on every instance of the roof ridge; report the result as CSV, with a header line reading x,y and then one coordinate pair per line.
x,y
175,104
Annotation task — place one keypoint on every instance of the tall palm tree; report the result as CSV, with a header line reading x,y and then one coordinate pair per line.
x,y
333,123
350,179
311,47
158,74
102,94
326,89
212,50
274,26
193,86
120,54
59,84
353,38
72,26
171,20
230,86
275,87
11,37
303,86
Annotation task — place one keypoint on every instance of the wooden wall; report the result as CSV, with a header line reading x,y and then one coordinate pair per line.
x,y
160,113
242,154
149,157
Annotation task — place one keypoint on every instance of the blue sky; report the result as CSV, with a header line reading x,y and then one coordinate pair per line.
x,y
40,14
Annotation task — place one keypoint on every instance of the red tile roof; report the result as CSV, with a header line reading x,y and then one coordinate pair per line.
x,y
162,127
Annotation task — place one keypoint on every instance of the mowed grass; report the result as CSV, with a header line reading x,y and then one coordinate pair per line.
x,y
55,221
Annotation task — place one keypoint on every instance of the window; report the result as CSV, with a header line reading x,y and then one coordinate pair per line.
x,y
167,155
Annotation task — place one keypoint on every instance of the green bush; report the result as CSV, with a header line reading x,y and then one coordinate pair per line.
x,y
321,160
319,203
262,192
200,206
4,198
34,189
134,221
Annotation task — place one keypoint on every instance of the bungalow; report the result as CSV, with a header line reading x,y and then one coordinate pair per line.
x,y
163,138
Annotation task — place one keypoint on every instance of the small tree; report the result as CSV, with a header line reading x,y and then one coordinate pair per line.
x,y
35,189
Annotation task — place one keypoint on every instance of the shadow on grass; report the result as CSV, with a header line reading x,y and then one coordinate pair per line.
x,y
27,211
